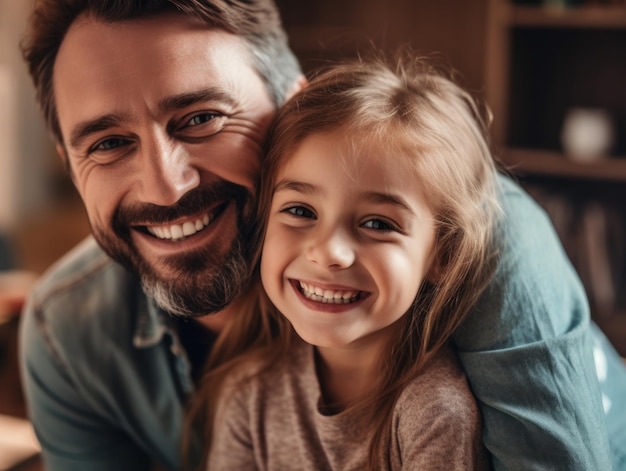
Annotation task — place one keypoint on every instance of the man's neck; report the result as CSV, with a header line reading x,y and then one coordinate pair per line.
x,y
217,321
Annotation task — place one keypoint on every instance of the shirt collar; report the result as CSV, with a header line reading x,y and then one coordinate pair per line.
x,y
152,324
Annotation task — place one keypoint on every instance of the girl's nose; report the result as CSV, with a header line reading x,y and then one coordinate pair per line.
x,y
334,250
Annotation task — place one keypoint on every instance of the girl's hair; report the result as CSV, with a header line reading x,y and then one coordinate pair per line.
x,y
415,112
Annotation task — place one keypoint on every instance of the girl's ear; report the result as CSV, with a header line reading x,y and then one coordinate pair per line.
x,y
300,84
434,271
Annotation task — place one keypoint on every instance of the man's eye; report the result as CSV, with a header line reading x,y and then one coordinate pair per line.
x,y
301,212
109,144
201,118
201,125
378,225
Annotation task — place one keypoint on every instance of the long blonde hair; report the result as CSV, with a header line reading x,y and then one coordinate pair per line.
x,y
416,112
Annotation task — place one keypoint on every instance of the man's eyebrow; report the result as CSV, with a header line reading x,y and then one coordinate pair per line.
x,y
172,103
183,100
85,128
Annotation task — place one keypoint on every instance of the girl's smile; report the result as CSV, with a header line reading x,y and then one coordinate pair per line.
x,y
314,296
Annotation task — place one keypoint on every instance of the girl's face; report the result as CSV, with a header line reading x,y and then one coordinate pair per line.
x,y
349,241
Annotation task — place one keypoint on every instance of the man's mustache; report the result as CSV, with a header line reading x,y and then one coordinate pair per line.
x,y
192,203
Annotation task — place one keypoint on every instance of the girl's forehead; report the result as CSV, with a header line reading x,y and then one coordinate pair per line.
x,y
359,147
358,142
351,154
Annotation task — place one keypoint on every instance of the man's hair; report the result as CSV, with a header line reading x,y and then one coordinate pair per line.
x,y
257,22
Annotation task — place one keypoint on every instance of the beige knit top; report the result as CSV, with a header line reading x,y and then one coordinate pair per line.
x,y
273,423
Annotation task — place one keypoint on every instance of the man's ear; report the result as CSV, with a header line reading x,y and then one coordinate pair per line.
x,y
66,162
62,153
300,84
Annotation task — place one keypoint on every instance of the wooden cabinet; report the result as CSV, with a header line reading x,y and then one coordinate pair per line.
x,y
326,30
542,63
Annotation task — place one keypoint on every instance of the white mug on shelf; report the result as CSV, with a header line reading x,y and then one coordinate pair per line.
x,y
587,134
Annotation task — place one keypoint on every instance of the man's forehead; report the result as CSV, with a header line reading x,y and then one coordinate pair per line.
x,y
165,55
156,22
167,33
125,67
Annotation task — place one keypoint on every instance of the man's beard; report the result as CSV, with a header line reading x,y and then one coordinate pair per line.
x,y
200,282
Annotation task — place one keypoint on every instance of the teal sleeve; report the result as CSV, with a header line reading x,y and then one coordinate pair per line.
x,y
72,436
611,369
527,349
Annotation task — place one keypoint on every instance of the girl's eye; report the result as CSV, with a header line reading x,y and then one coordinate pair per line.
x,y
301,212
378,225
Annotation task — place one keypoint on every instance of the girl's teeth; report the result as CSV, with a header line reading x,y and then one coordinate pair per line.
x,y
318,294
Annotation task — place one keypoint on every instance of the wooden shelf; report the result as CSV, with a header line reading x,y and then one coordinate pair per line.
x,y
546,163
540,62
592,17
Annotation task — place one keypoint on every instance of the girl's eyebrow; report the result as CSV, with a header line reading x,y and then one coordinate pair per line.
x,y
375,197
388,198
293,185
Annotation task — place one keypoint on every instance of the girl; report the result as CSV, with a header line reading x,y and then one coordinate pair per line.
x,y
378,206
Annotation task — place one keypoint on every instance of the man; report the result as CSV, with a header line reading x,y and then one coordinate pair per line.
x,y
160,110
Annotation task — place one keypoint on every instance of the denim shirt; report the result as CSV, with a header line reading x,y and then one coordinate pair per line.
x,y
106,376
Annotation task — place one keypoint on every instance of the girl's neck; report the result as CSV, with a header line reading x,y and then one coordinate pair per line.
x,y
350,374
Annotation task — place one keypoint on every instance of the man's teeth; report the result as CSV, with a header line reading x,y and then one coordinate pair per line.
x,y
178,231
328,296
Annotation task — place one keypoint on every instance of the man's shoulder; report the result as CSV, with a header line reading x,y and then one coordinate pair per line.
x,y
85,285
521,215
535,293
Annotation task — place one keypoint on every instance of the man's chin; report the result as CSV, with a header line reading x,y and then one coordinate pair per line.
x,y
202,285
194,283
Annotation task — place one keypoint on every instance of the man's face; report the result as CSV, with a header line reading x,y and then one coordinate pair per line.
x,y
163,122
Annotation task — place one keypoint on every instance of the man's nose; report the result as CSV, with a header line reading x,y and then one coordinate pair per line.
x,y
166,172
333,249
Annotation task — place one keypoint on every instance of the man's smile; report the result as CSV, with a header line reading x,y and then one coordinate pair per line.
x,y
185,228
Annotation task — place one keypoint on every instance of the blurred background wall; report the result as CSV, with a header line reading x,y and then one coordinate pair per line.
x,y
29,168
24,147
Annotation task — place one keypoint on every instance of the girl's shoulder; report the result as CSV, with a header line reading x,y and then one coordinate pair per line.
x,y
440,390
436,421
